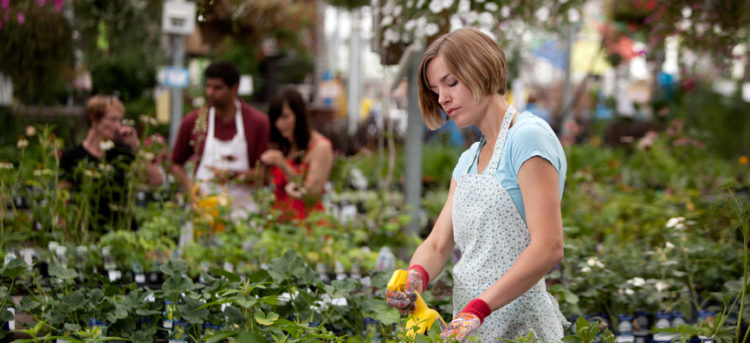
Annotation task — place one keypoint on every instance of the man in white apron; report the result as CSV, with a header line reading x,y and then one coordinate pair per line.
x,y
227,138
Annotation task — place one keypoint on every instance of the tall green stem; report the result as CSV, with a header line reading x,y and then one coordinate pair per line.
x,y
743,292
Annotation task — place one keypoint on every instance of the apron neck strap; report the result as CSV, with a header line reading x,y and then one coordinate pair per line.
x,y
237,119
499,144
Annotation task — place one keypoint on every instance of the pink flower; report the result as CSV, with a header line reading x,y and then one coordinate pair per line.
x,y
647,141
41,2
21,18
6,4
59,4
683,141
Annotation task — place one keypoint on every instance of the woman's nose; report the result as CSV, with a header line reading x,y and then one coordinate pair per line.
x,y
443,99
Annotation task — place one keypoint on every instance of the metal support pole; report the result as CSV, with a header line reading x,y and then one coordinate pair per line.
x,y
567,98
355,71
177,42
321,51
413,149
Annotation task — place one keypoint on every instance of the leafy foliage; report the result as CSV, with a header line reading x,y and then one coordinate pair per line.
x,y
37,52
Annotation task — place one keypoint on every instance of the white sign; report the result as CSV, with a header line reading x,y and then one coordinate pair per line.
x,y
178,17
6,90
246,85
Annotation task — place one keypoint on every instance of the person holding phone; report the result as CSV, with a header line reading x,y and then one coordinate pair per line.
x,y
104,156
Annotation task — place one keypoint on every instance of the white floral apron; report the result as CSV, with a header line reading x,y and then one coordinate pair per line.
x,y
491,234
227,155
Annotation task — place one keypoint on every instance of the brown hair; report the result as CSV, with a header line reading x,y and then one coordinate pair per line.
x,y
98,105
473,58
302,129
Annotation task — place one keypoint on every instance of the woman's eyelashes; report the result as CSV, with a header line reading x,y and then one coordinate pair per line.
x,y
453,83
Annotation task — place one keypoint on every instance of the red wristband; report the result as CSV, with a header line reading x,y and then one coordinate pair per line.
x,y
423,272
478,308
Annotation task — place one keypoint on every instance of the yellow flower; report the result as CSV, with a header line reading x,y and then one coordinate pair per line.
x,y
743,160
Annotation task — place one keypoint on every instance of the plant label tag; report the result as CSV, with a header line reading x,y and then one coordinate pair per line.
x,y
114,275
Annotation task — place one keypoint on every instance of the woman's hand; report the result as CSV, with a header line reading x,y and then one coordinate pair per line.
x,y
273,157
405,301
461,326
467,321
128,136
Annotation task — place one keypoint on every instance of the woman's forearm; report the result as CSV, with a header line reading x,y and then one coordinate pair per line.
x,y
438,247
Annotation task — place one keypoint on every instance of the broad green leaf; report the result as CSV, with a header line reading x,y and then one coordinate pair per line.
x,y
174,267
250,337
112,290
220,336
270,300
234,314
340,288
259,276
176,284
74,302
14,268
570,297
60,272
232,277
118,313
244,302
192,311
207,277
6,315
72,327
266,319
28,304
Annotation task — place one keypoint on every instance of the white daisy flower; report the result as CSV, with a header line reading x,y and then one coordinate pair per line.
x,y
594,262
637,282
106,144
676,223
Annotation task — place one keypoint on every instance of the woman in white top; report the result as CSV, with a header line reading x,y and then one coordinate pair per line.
x,y
503,206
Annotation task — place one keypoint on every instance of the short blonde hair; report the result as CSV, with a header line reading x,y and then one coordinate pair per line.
x,y
473,58
98,105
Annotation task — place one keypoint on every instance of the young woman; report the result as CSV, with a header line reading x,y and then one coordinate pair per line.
x,y
503,207
301,160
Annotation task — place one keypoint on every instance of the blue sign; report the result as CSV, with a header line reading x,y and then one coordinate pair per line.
x,y
176,77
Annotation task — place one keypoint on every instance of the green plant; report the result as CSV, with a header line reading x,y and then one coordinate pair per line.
x,y
586,332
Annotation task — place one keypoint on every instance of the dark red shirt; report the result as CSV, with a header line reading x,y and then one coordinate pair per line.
x,y
257,132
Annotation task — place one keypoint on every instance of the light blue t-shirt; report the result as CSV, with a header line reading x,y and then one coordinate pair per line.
x,y
528,137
